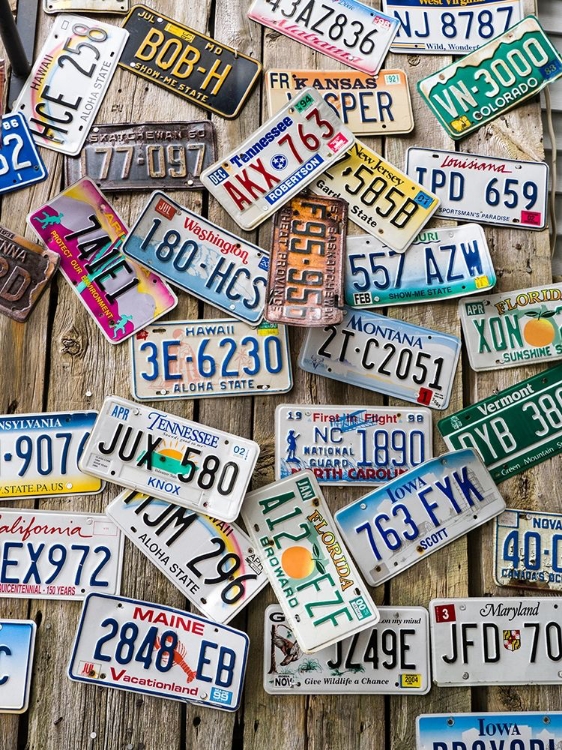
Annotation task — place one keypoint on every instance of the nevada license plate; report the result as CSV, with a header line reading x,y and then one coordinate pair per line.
x,y
17,645
391,658
211,562
386,355
68,81
382,200
494,78
483,189
514,429
20,162
396,526
441,263
156,650
88,6
351,444
153,452
315,580
200,258
204,358
278,160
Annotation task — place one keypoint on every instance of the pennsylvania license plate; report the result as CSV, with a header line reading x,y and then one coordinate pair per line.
x,y
494,78
17,646
308,566
88,6
351,444
69,79
21,164
196,466
396,526
385,355
441,263
156,650
278,160
391,658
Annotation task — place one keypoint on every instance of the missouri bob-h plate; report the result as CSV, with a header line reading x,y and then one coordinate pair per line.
x,y
396,526
308,566
491,80
21,164
17,646
390,658
187,62
156,650
278,160
88,6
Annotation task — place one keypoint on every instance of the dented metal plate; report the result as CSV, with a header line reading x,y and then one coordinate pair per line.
x,y
88,6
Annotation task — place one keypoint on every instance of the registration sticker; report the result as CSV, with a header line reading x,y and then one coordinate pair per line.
x,y
17,647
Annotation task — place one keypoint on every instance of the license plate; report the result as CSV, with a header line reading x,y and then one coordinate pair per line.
x,y
167,52
84,229
496,641
17,646
211,562
391,658
315,580
513,430
351,444
306,267
200,258
153,452
494,78
386,355
479,188
145,157
278,160
88,6
396,526
68,81
441,263
382,200
2,87
21,164
146,648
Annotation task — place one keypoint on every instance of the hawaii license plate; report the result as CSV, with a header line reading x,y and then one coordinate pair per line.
x,y
396,526
68,81
441,263
88,6
153,452
278,160
390,658
351,444
386,355
483,189
156,650
17,646
21,164
494,78
211,562
314,578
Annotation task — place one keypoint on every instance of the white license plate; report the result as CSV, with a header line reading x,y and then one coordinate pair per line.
x,y
169,457
68,81
351,444
396,526
482,188
308,566
17,646
385,355
211,562
496,641
391,658
88,6
157,650
278,160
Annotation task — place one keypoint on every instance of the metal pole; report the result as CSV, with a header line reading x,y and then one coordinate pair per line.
x,y
12,41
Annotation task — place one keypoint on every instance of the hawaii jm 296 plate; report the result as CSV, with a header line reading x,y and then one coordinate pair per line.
x,y
17,645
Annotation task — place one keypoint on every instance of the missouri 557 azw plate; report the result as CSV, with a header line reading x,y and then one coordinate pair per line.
x,y
20,161
17,645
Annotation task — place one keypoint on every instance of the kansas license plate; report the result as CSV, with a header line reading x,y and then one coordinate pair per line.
x,y
382,200
278,160
385,355
17,645
391,658
441,263
172,458
21,164
314,578
156,650
211,562
483,189
88,6
396,526
65,88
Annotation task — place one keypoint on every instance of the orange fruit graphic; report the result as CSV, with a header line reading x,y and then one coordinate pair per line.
x,y
297,562
539,331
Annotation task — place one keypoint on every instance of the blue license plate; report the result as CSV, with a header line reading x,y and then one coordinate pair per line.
x,y
17,644
20,162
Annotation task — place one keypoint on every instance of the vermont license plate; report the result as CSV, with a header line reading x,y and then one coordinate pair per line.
x,y
17,646
278,160
494,78
21,164
88,6
390,658
156,650
395,526
385,355
308,566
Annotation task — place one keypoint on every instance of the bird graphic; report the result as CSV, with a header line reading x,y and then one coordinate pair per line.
x,y
290,649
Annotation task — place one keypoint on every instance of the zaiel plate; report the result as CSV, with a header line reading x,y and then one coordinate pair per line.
x,y
21,164
17,646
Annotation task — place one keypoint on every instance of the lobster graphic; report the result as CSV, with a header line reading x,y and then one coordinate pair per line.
x,y
179,655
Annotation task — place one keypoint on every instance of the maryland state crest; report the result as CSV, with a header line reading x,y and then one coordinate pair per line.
x,y
512,640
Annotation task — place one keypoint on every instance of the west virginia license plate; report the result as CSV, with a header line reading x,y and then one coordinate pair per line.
x,y
17,646
20,162
88,6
